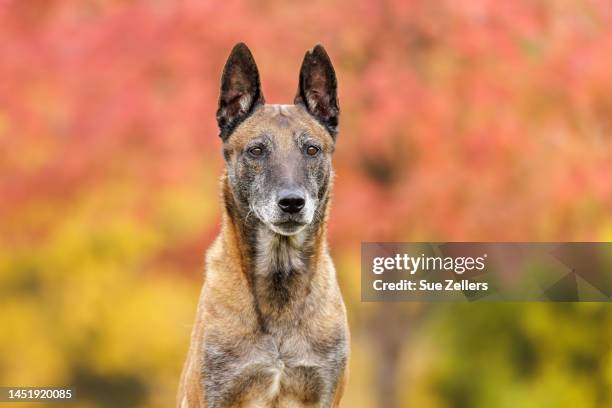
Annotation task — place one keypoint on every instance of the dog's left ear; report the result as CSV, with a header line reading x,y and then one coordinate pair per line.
x,y
317,90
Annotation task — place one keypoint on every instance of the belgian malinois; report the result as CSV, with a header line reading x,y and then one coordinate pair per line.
x,y
271,328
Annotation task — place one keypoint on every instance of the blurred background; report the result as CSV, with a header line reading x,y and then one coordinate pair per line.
x,y
474,120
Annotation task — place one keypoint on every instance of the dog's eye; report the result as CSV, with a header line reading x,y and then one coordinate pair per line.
x,y
256,151
312,150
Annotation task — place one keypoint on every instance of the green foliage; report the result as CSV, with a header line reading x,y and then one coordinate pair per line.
x,y
529,355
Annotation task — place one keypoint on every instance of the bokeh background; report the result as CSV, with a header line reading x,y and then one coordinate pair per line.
x,y
472,120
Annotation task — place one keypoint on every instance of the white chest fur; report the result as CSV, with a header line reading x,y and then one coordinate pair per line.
x,y
278,252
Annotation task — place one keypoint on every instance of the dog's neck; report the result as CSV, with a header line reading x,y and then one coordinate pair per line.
x,y
279,268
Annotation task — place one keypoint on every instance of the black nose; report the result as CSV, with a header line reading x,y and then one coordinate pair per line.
x,y
291,202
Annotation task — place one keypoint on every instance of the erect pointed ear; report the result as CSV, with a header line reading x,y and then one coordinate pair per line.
x,y
317,90
240,90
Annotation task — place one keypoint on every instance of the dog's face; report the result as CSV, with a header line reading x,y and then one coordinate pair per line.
x,y
278,157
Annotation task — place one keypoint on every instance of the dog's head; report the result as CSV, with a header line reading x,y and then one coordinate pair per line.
x,y
278,157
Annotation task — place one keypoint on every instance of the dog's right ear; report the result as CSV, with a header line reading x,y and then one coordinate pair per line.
x,y
240,90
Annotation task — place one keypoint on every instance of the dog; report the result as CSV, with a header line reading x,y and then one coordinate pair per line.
x,y
271,327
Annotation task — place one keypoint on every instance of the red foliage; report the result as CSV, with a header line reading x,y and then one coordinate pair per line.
x,y
461,121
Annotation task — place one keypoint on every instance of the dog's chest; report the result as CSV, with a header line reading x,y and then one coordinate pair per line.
x,y
291,364
270,371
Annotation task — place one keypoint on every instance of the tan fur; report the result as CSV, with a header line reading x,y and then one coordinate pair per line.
x,y
226,308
